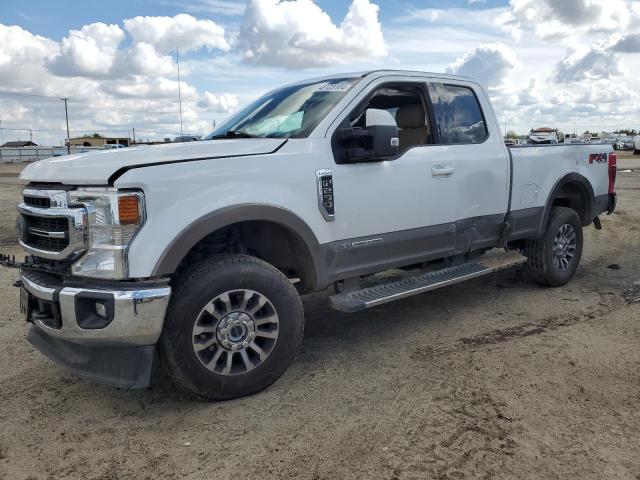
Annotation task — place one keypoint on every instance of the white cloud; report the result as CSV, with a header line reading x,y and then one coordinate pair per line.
x,y
489,64
144,88
568,69
143,59
130,88
627,44
182,31
558,19
221,7
18,46
298,34
584,63
223,103
89,52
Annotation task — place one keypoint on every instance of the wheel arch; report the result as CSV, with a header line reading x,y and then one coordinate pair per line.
x,y
282,222
574,191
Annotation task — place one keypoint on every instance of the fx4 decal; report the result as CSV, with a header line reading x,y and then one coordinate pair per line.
x,y
598,158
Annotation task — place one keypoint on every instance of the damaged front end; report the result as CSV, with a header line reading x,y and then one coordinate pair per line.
x,y
101,329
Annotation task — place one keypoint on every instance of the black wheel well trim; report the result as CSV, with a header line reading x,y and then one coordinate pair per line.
x,y
191,235
583,184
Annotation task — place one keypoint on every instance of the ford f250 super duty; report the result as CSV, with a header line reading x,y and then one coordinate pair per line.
x,y
194,255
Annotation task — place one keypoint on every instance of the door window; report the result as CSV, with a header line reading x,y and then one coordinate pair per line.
x,y
458,115
402,106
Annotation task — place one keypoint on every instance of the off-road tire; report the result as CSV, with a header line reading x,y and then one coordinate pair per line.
x,y
540,265
197,286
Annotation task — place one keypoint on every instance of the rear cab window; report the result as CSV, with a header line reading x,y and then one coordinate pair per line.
x,y
457,113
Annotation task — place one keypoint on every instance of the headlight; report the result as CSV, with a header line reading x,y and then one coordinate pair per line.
x,y
114,217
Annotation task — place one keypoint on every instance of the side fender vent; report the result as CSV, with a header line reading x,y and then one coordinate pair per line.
x,y
326,201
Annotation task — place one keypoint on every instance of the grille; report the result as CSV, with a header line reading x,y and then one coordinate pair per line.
x,y
37,231
39,202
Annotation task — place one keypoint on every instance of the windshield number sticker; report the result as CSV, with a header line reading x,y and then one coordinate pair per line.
x,y
334,87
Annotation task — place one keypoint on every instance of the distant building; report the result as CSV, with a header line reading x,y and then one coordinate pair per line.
x,y
99,141
20,143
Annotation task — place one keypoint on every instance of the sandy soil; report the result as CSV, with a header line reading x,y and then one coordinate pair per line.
x,y
495,378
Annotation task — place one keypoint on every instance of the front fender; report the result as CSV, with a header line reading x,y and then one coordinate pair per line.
x,y
180,246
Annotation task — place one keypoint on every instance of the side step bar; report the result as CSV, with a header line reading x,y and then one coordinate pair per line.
x,y
388,292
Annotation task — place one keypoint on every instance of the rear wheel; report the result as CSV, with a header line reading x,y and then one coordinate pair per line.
x,y
553,259
233,327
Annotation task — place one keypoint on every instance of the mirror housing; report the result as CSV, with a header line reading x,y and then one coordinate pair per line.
x,y
374,143
385,140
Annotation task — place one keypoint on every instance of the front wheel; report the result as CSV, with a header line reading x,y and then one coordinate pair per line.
x,y
232,328
553,259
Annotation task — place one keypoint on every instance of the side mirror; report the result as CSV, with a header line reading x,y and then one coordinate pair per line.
x,y
385,140
377,141
384,132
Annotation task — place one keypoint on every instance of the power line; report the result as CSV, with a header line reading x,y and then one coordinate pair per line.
x,y
22,94
88,130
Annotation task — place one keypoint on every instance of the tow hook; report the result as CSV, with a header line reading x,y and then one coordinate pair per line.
x,y
597,223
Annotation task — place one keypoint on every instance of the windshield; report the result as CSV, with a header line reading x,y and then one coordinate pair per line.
x,y
290,112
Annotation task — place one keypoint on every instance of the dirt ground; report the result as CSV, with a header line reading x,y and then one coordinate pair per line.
x,y
494,378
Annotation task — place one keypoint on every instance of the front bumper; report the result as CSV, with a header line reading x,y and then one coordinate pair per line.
x,y
137,314
117,349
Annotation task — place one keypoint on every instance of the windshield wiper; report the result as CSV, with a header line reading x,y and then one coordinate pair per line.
x,y
235,134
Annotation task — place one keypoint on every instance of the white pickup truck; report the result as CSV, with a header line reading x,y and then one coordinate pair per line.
x,y
194,255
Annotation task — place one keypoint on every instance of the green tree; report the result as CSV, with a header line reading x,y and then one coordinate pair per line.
x,y
511,134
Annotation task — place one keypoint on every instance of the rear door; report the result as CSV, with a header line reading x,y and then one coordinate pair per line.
x,y
470,146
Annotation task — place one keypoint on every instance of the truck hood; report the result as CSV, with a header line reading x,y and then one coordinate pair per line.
x,y
96,168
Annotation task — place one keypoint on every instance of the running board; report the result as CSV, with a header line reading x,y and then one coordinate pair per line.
x,y
388,292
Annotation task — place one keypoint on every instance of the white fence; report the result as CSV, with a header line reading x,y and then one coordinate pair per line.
x,y
31,154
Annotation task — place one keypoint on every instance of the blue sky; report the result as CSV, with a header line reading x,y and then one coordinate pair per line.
x,y
55,19
544,62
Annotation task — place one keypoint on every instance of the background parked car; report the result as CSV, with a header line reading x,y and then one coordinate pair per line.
x,y
625,144
187,138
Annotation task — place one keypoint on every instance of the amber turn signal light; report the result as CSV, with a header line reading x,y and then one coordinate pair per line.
x,y
129,210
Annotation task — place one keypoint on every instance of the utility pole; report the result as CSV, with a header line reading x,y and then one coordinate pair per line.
x,y
1,133
179,92
66,115
30,136
134,134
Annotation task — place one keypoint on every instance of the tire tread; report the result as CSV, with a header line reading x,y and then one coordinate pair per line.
x,y
536,251
190,276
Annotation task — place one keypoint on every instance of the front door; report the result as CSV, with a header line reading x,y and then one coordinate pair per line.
x,y
398,210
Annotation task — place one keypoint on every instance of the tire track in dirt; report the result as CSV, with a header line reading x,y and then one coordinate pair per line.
x,y
499,335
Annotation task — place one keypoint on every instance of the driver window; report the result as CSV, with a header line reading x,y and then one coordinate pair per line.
x,y
400,106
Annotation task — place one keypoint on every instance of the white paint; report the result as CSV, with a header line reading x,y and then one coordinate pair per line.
x,y
371,199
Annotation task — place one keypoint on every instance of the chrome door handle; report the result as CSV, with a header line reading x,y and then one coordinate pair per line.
x,y
442,171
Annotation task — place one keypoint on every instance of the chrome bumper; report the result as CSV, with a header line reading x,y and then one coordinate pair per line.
x,y
138,314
